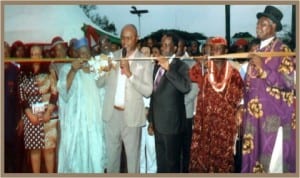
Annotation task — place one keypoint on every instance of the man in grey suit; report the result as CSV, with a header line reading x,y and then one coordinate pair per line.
x,y
126,84
167,110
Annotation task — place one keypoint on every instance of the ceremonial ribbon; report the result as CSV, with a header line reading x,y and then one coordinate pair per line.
x,y
224,56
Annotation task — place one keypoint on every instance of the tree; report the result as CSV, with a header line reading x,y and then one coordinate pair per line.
x,y
287,37
102,22
242,35
187,36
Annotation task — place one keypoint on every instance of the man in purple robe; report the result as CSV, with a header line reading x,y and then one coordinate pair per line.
x,y
269,119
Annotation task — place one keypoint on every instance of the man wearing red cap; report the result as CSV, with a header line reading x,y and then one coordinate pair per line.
x,y
215,126
269,120
240,45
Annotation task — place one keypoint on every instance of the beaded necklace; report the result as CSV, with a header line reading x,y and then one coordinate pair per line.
x,y
218,86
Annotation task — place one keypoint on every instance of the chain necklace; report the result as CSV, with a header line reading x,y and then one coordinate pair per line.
x,y
218,86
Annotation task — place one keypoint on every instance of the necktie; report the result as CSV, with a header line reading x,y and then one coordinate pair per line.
x,y
124,53
159,74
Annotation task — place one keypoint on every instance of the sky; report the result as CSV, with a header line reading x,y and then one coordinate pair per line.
x,y
40,23
206,19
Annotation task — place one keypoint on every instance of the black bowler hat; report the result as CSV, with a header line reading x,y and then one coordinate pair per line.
x,y
274,14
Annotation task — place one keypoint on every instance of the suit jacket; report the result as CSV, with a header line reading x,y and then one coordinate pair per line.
x,y
189,98
135,89
167,110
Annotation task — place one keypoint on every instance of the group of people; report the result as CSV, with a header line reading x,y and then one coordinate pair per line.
x,y
176,114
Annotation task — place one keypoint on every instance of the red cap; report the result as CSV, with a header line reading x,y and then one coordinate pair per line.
x,y
241,42
218,41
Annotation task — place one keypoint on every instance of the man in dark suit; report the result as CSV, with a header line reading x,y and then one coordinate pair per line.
x,y
167,110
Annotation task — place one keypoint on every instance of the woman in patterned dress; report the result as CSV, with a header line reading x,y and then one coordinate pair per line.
x,y
38,96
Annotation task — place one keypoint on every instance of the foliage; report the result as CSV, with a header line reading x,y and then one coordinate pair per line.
x,y
102,22
287,37
187,36
242,35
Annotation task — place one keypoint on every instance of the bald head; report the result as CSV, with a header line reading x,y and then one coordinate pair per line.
x,y
129,38
130,27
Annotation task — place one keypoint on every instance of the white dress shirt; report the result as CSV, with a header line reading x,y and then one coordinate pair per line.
x,y
120,92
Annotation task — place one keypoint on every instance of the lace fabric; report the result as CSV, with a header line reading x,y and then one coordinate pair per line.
x,y
82,145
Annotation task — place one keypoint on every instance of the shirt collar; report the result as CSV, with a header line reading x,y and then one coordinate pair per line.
x,y
133,54
171,58
264,43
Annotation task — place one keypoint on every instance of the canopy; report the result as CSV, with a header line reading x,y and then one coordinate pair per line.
x,y
93,35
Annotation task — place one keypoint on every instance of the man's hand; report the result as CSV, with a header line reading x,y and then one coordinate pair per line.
x,y
109,67
77,64
256,61
239,116
150,129
163,62
125,68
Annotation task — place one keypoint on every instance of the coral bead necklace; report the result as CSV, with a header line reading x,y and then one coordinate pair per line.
x,y
218,86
